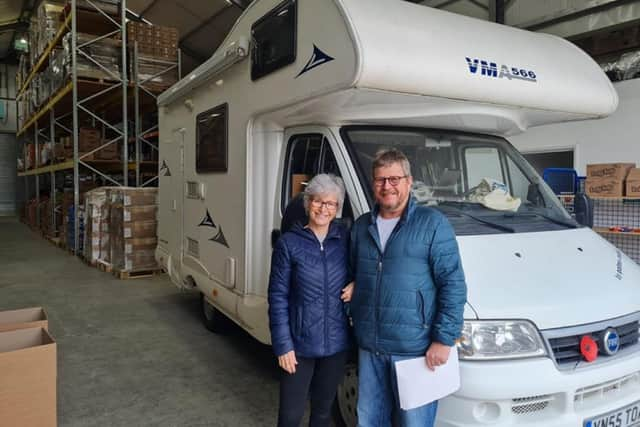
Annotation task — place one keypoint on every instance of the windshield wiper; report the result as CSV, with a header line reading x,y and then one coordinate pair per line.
x,y
478,219
545,216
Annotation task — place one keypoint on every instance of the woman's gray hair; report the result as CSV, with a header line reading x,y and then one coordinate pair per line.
x,y
324,184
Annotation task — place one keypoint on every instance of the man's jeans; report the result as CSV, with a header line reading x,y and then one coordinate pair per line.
x,y
378,395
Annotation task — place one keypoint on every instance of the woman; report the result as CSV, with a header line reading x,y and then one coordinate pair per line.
x,y
308,324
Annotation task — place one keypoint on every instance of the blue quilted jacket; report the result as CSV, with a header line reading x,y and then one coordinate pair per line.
x,y
414,292
305,311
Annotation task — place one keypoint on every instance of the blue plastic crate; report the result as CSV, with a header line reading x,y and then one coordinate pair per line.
x,y
561,180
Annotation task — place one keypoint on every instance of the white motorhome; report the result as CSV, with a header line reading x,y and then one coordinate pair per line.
x,y
301,87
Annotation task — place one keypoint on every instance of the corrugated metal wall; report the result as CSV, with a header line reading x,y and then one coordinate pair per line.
x,y
7,174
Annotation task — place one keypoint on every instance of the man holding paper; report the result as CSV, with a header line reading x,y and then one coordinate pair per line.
x,y
409,293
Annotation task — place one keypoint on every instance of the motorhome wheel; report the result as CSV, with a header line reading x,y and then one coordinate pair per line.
x,y
347,398
213,319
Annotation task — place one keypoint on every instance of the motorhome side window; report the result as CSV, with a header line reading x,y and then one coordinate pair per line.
x,y
211,140
274,40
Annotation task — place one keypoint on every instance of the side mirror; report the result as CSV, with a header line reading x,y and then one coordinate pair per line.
x,y
534,196
275,235
583,209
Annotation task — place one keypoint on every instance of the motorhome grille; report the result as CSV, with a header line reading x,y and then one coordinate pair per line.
x,y
599,391
566,350
528,405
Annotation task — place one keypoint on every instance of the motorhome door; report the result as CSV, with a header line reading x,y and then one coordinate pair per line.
x,y
171,202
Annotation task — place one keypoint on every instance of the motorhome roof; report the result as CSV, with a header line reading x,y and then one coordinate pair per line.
x,y
397,47
409,48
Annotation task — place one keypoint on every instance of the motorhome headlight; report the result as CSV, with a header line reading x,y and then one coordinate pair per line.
x,y
504,339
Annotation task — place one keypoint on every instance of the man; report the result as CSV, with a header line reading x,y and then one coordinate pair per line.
x,y
409,292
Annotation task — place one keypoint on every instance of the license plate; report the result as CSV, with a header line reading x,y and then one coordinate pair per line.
x,y
629,416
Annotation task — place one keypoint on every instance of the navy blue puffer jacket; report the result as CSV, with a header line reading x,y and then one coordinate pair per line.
x,y
305,311
414,291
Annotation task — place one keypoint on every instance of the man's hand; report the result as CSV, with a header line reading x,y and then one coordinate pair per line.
x,y
288,362
437,354
347,292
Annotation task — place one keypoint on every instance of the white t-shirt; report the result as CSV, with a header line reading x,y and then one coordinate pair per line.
x,y
385,227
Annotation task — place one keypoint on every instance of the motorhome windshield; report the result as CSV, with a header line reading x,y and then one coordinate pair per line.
x,y
481,183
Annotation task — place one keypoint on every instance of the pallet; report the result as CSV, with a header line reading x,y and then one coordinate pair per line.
x,y
55,241
90,263
138,274
103,266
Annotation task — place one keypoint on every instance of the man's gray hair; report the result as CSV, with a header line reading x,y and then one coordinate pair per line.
x,y
389,156
324,184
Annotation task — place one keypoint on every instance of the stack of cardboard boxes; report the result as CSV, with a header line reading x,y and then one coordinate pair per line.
x,y
133,229
28,372
105,51
612,180
94,237
157,49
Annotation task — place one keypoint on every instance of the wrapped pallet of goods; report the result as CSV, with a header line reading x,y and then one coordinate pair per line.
x,y
133,230
47,24
106,52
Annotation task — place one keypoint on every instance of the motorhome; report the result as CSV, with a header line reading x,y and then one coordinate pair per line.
x,y
301,87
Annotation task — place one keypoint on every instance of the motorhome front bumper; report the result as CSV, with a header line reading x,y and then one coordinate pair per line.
x,y
534,392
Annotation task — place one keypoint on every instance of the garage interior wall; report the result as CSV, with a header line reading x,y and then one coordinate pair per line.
x,y
8,152
613,139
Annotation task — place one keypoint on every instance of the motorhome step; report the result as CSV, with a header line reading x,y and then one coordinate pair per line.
x,y
137,274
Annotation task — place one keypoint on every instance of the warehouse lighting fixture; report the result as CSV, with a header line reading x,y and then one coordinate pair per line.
x,y
218,63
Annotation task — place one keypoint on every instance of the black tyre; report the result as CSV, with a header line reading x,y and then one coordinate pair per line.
x,y
212,318
344,408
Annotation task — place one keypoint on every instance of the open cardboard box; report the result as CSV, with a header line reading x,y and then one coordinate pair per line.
x,y
34,317
28,378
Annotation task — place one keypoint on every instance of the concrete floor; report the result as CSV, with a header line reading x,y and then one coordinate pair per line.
x,y
134,352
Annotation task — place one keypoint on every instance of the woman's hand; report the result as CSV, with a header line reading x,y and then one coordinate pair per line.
x,y
347,292
288,362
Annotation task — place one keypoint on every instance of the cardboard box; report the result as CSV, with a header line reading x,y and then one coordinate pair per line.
x,y
122,214
108,152
604,187
140,229
609,170
633,183
298,183
25,318
132,196
28,378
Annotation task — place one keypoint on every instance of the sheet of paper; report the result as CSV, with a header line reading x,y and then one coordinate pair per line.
x,y
418,386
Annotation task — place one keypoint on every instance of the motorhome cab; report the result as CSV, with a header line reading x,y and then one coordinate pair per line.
x,y
301,87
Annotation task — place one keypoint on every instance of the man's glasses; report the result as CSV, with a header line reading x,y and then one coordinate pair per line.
x,y
332,206
393,180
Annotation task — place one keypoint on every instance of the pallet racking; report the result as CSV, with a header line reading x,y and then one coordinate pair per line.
x,y
114,102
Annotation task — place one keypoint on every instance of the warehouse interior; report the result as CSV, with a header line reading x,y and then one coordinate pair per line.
x,y
83,85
